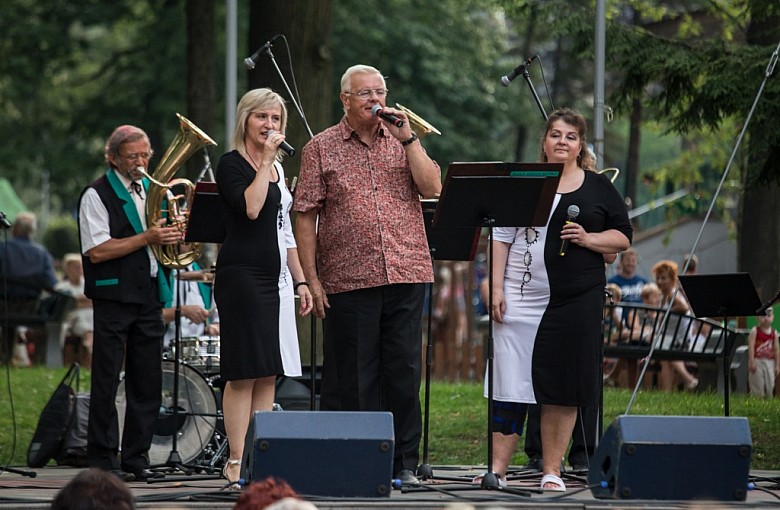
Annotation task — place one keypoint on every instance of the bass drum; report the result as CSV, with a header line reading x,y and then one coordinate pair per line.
x,y
194,422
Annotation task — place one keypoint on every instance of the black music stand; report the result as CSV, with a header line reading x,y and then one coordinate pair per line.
x,y
443,244
207,221
495,194
728,295
205,224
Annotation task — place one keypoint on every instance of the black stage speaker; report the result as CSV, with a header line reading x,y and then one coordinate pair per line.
x,y
323,453
674,458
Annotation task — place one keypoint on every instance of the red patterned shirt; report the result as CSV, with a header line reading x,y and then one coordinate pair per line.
x,y
370,229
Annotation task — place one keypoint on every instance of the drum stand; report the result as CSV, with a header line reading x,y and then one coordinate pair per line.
x,y
174,463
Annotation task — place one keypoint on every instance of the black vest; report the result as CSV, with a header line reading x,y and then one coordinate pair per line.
x,y
125,279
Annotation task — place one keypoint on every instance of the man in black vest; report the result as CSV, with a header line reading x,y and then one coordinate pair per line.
x,y
127,288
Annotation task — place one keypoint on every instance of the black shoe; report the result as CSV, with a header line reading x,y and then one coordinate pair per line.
x,y
122,475
406,476
143,475
534,464
580,467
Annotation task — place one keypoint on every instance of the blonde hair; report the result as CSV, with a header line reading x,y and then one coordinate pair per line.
x,y
256,99
650,289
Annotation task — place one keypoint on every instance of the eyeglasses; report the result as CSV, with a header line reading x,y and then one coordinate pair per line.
x,y
136,155
366,93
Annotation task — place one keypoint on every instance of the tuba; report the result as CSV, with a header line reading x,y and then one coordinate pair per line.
x,y
162,202
420,126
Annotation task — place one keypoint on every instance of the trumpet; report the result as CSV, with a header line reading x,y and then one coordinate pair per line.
x,y
614,171
420,126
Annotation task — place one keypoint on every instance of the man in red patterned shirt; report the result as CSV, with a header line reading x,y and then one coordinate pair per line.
x,y
362,244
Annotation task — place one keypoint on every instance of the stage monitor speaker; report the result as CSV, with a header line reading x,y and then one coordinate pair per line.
x,y
673,458
323,453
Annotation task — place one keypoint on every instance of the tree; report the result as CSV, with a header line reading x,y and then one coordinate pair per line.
x,y
303,56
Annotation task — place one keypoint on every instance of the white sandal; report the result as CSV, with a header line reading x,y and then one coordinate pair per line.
x,y
551,478
233,485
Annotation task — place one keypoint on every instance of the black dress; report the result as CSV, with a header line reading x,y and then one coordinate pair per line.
x,y
546,350
252,287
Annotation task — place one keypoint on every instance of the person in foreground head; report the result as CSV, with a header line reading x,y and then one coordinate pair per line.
x,y
94,489
271,492
127,287
364,251
257,270
547,302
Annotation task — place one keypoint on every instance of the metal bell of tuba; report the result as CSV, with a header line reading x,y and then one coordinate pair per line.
x,y
169,199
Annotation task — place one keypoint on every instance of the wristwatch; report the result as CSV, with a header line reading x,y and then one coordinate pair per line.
x,y
412,139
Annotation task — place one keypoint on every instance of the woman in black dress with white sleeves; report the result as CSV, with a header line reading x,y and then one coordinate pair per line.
x,y
258,269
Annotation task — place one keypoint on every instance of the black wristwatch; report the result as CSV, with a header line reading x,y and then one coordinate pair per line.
x,y
412,139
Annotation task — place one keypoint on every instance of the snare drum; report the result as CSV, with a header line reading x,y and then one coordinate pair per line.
x,y
201,352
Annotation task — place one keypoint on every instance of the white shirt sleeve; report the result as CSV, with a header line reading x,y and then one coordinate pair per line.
x,y
93,221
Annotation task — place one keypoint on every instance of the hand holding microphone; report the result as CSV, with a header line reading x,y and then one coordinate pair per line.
x,y
571,214
379,111
286,147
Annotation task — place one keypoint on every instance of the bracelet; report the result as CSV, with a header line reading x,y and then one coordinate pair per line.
x,y
412,139
295,287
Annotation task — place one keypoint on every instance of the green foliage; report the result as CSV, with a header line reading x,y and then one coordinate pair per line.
x,y
61,237
445,67
70,72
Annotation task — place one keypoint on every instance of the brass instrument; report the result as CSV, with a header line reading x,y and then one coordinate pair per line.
x,y
614,171
419,125
161,203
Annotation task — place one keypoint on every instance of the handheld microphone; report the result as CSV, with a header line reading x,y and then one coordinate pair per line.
x,y
571,214
506,80
286,147
378,111
249,62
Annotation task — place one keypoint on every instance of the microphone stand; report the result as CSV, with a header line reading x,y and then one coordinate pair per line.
x,y
313,341
527,79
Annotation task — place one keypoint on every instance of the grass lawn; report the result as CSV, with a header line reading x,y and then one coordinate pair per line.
x,y
458,416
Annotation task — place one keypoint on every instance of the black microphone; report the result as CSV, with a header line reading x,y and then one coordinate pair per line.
x,y
286,147
378,111
766,306
4,221
506,80
572,212
249,62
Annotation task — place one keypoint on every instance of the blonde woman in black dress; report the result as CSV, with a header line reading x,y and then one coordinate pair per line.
x,y
258,270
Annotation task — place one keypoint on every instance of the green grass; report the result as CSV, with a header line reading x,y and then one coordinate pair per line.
x,y
458,417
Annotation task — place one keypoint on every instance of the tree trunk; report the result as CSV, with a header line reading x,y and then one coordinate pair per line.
x,y
632,162
201,74
306,26
758,234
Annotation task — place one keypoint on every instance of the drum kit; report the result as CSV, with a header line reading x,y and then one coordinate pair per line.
x,y
196,415
197,422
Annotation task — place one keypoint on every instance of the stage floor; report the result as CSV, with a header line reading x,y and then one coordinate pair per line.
x,y
449,488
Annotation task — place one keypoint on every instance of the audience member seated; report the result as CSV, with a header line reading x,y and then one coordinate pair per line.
x,y
78,325
28,271
94,489
665,274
